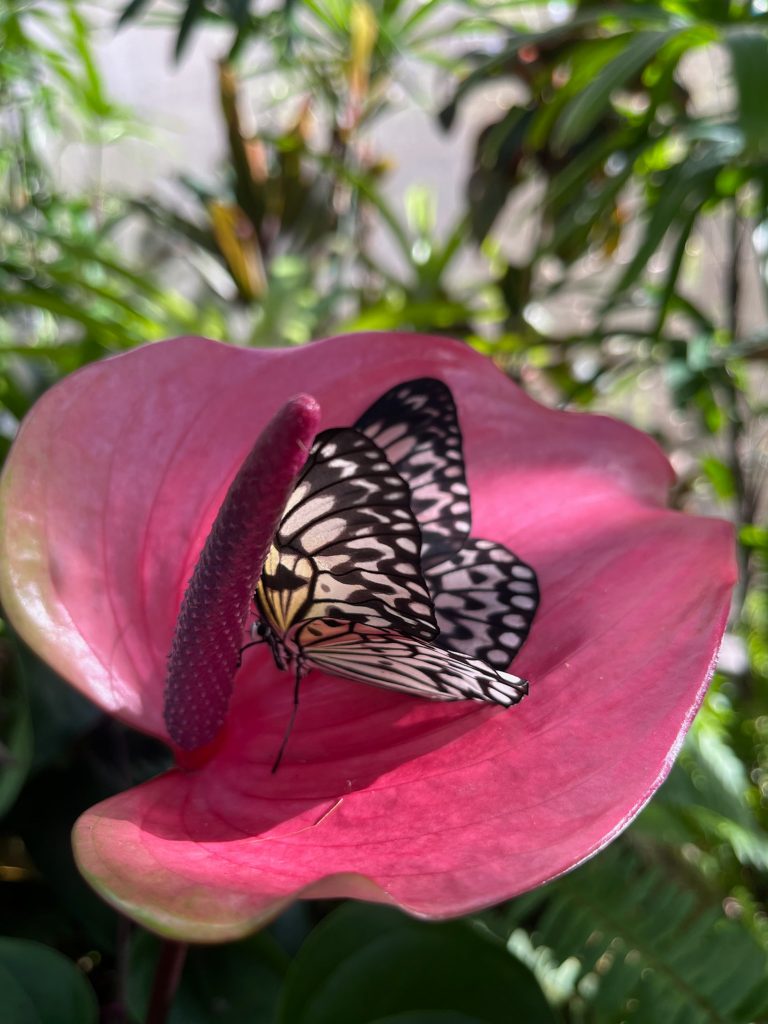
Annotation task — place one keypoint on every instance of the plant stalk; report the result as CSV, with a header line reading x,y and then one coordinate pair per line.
x,y
745,497
167,977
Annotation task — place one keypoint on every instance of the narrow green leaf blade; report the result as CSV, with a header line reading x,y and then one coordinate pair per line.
x,y
585,109
749,70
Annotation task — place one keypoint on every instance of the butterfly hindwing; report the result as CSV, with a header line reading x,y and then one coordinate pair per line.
x,y
348,545
416,426
485,599
385,658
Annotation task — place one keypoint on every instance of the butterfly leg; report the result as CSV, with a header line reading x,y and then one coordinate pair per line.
x,y
300,672
242,650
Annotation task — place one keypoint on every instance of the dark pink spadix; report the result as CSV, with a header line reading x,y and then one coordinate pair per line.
x,y
205,651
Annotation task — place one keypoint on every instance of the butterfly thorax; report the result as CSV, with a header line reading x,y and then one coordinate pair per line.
x,y
284,590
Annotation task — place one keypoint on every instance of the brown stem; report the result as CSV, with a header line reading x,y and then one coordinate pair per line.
x,y
167,977
122,946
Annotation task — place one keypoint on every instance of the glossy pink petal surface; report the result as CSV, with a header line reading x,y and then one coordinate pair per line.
x,y
107,498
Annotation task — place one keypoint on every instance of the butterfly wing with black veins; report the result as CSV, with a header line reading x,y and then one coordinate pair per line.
x,y
485,600
383,658
416,426
343,585
485,597
347,546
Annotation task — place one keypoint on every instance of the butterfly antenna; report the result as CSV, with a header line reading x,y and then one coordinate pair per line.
x,y
292,719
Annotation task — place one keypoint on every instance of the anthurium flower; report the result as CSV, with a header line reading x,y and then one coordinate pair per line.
x,y
107,498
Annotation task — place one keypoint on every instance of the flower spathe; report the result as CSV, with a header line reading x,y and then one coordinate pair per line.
x,y
107,498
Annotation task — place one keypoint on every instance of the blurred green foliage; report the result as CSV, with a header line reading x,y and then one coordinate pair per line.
x,y
626,145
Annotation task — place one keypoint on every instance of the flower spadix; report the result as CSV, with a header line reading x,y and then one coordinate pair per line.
x,y
208,637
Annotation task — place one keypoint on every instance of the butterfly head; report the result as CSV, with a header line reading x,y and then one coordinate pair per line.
x,y
261,631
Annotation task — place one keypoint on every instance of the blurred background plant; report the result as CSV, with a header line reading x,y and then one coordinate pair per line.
x,y
610,251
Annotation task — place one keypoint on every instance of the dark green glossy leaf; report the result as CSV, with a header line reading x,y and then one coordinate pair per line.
x,y
364,963
40,986
16,1003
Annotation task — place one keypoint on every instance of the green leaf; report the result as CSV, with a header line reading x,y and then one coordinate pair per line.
x,y
668,292
133,10
549,40
650,947
40,986
15,727
364,963
194,12
229,984
749,69
720,476
588,106
686,187
754,537
709,797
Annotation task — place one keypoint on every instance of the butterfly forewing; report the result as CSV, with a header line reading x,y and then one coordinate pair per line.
x,y
383,657
416,426
485,600
348,546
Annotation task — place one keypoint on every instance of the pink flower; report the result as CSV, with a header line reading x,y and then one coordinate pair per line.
x,y
107,498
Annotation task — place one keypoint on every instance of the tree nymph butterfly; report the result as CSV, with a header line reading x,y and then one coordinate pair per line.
x,y
344,586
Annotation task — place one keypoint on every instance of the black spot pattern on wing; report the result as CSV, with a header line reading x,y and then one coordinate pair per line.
x,y
349,587
416,426
384,658
348,545
485,597
485,600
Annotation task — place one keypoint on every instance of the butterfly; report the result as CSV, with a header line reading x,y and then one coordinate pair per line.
x,y
344,586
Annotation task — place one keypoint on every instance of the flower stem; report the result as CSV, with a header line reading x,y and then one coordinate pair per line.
x,y
745,497
168,973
